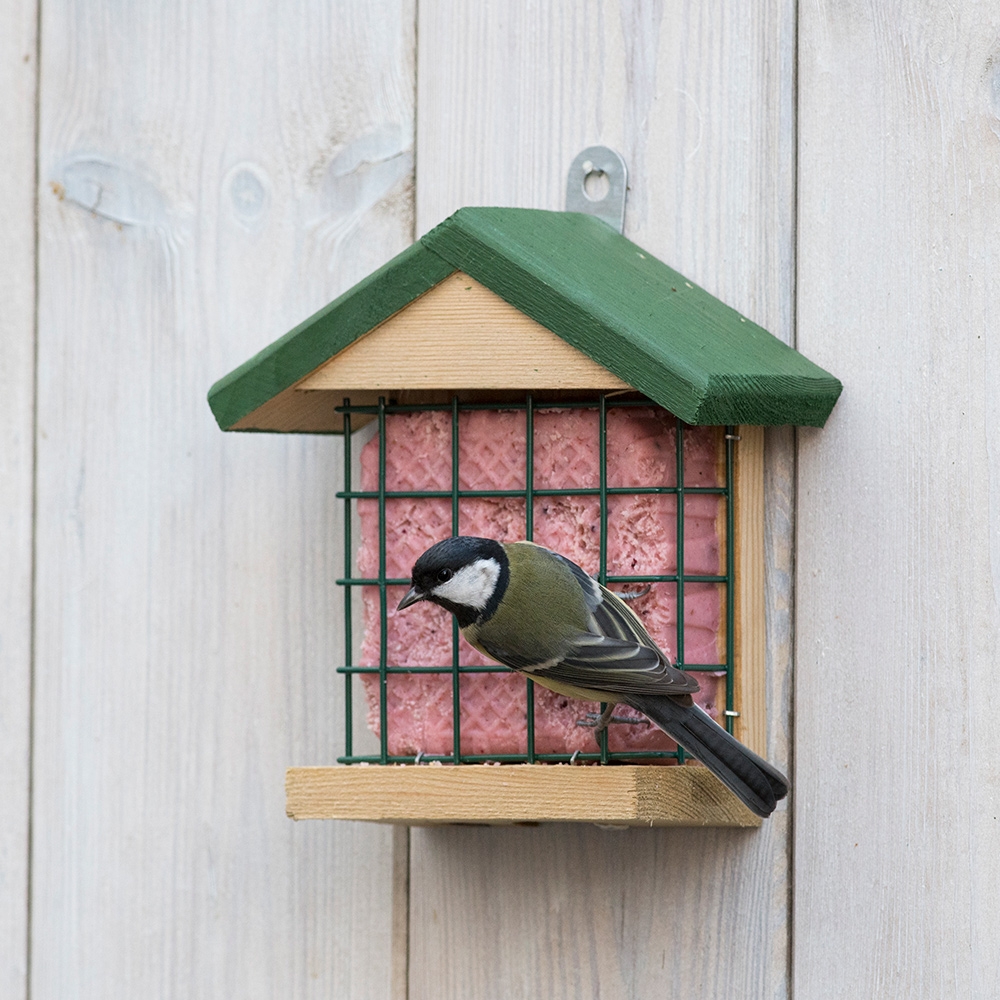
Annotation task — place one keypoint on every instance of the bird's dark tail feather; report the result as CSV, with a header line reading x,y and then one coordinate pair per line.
x,y
751,778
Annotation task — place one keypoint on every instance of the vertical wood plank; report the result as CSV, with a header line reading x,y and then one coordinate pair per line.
x,y
897,845
750,696
210,174
399,981
698,98
18,90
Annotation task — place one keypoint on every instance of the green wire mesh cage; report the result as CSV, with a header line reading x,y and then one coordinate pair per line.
x,y
602,496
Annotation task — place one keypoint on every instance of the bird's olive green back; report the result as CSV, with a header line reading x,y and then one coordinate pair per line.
x,y
543,600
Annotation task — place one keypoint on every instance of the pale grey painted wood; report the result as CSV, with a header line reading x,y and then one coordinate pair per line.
x,y
897,837
698,98
18,88
210,174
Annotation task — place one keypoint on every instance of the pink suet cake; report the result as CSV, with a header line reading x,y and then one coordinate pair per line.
x,y
641,539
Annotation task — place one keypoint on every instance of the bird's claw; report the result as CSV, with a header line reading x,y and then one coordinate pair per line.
x,y
633,595
598,721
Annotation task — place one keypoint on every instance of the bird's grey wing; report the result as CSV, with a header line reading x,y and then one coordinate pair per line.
x,y
614,618
615,665
616,654
609,614
598,662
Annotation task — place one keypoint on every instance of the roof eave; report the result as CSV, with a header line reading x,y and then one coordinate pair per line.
x,y
326,333
658,332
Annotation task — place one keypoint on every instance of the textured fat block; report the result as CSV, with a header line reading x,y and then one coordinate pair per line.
x,y
641,540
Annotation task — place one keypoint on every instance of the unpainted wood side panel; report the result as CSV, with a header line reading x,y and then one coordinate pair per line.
x,y
210,175
18,88
897,837
699,101
750,639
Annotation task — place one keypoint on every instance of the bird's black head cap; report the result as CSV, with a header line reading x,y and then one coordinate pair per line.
x,y
441,562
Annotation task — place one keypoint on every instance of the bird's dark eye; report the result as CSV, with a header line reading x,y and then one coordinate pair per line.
x,y
444,575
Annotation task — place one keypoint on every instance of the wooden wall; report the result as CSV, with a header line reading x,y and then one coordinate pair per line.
x,y
18,90
181,184
208,175
897,710
695,100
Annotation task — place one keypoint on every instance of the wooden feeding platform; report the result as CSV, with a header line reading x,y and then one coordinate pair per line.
x,y
505,794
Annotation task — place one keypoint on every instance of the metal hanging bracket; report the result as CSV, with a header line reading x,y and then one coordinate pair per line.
x,y
597,184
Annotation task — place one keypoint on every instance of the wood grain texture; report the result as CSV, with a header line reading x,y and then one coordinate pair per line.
x,y
699,101
897,837
456,336
209,175
399,974
750,694
626,795
18,90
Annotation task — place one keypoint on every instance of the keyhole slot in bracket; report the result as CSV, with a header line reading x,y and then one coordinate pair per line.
x,y
597,184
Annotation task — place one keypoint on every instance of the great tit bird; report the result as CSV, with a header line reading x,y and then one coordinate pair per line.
x,y
537,612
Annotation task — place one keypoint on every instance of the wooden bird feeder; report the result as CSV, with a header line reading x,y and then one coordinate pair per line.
x,y
525,315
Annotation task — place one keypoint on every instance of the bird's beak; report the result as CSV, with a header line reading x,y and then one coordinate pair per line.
x,y
412,596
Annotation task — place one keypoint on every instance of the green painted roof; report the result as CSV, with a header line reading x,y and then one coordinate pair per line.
x,y
595,289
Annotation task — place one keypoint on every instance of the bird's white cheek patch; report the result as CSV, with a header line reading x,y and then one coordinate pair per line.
x,y
472,586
